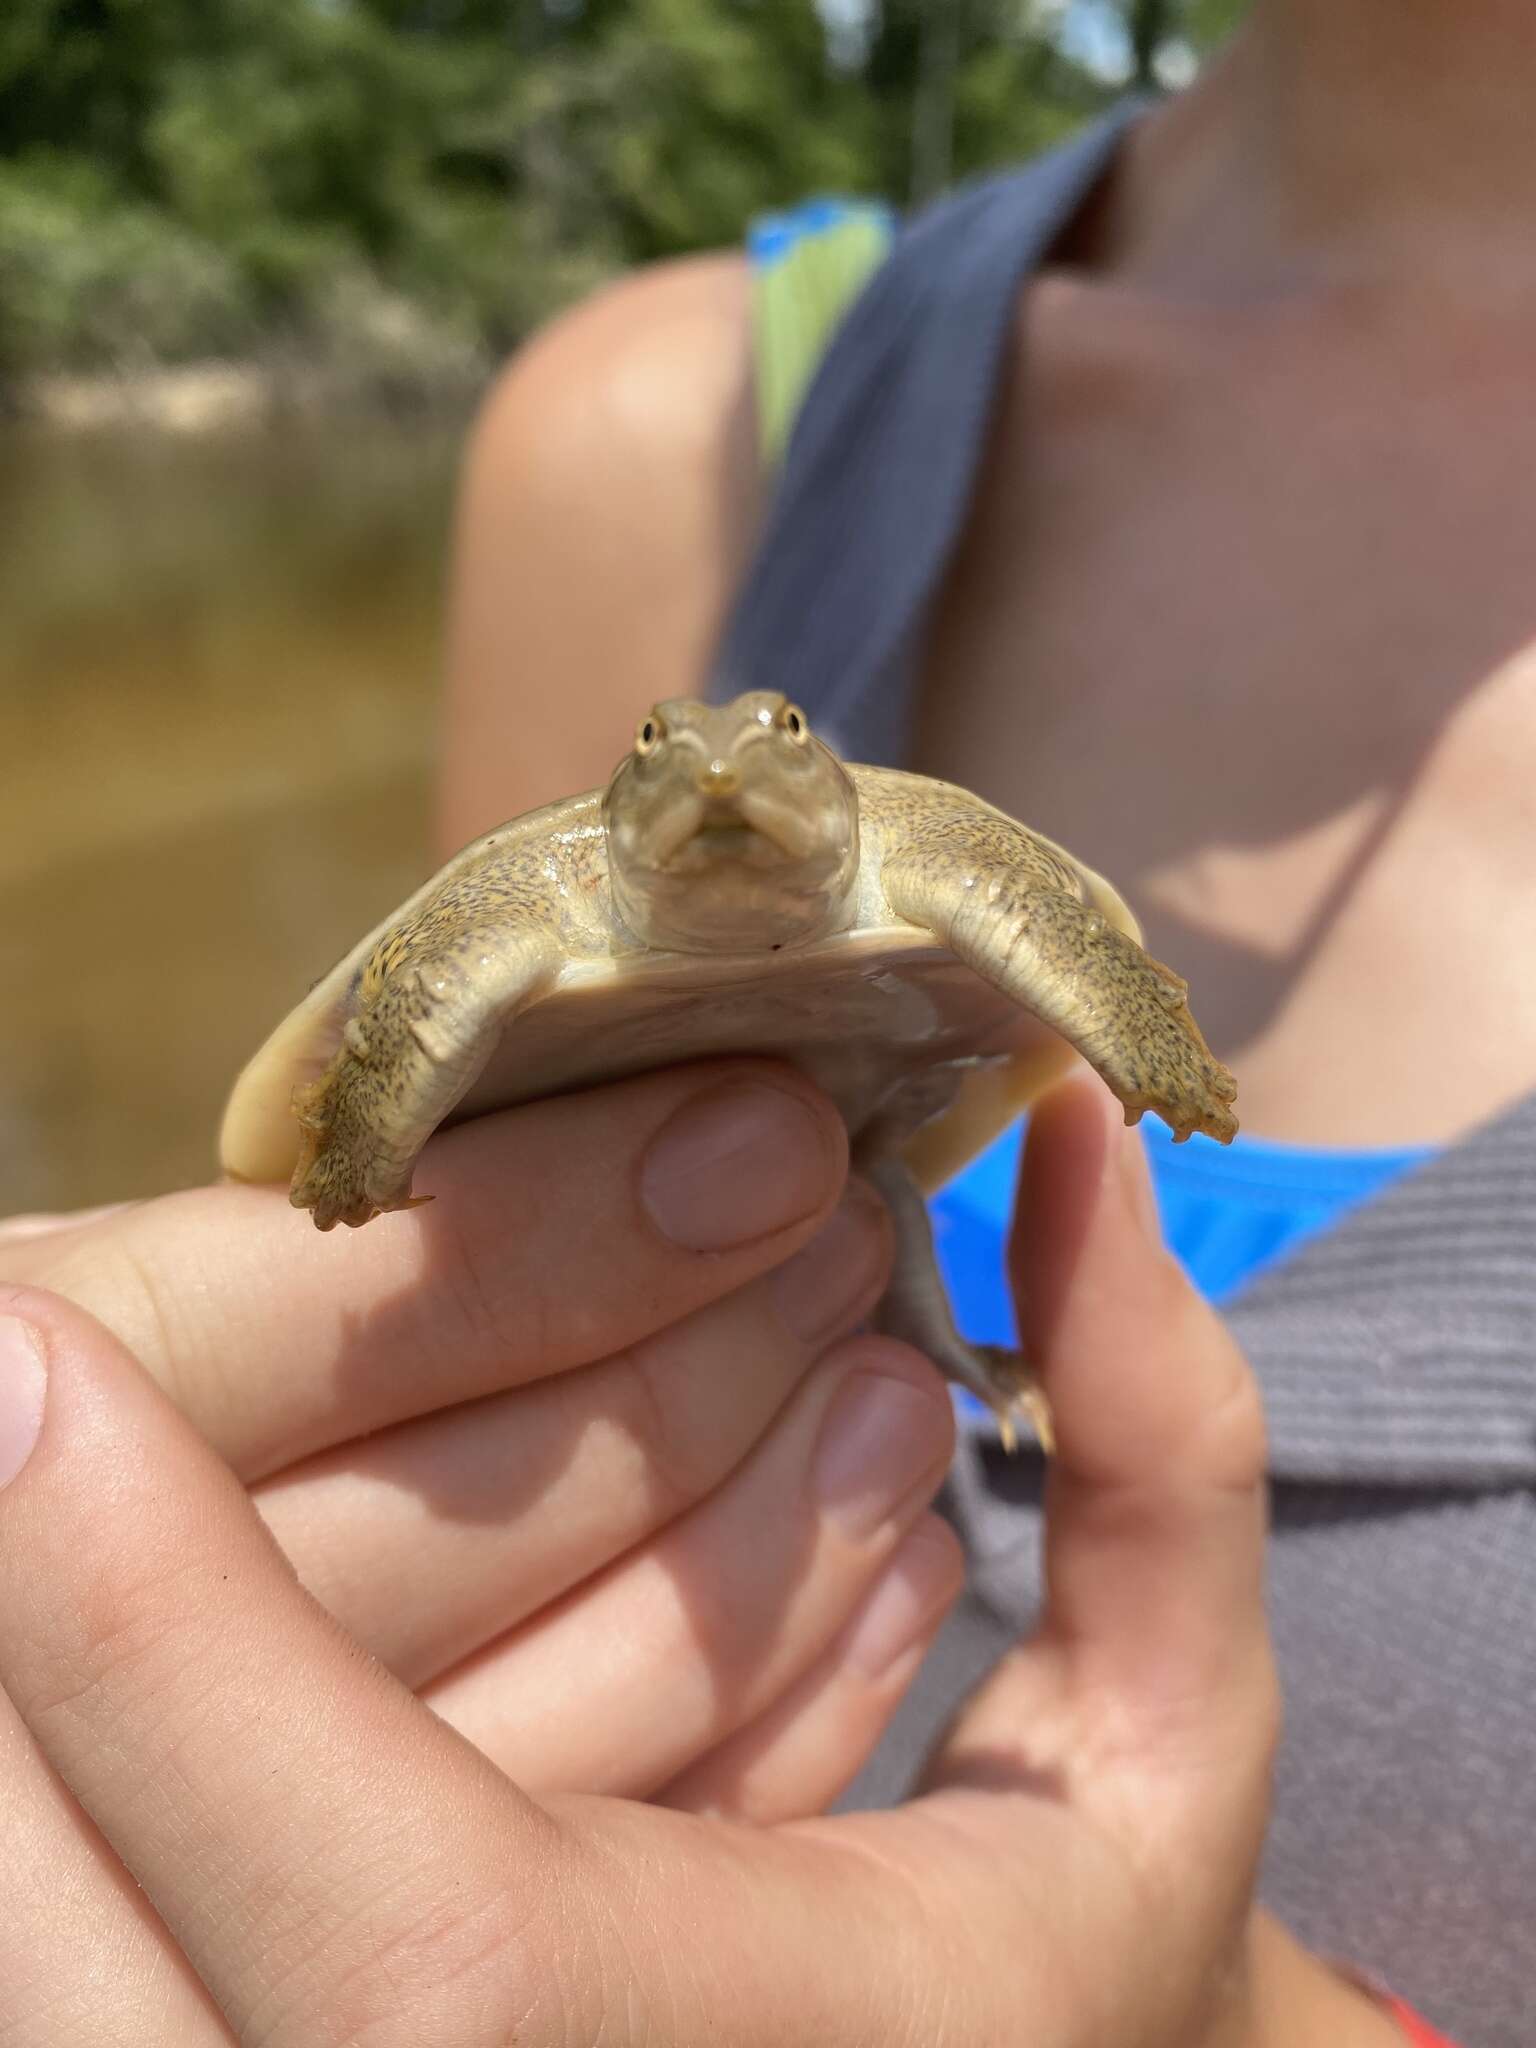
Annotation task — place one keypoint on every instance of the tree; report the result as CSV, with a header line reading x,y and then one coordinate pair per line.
x,y
180,176
1151,25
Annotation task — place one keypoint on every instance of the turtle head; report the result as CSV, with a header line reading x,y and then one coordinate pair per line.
x,y
731,828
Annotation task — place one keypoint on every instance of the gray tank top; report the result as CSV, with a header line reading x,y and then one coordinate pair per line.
x,y
1397,1353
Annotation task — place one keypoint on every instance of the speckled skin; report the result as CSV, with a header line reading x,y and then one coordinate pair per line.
x,y
736,888
1016,910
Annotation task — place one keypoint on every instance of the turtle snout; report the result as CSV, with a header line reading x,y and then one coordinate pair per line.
x,y
719,778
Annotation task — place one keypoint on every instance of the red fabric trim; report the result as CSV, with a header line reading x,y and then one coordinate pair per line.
x,y
1419,2032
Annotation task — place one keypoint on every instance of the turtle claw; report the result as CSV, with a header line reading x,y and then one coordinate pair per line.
x,y
1014,1395
1036,1406
1036,1411
329,1206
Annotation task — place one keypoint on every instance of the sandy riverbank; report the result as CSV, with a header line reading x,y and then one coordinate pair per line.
x,y
216,396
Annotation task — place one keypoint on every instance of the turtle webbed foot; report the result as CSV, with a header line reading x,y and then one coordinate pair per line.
x,y
338,1177
1163,1063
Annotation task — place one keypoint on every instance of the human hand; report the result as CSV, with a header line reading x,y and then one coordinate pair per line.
x,y
335,1863
554,1468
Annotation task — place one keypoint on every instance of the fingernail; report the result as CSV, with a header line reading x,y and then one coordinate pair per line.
x,y
902,1610
734,1165
23,1381
818,1293
880,1437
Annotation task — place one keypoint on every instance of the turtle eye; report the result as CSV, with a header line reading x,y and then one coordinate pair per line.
x,y
649,735
794,722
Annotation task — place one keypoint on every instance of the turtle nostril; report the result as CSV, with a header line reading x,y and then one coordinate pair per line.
x,y
719,779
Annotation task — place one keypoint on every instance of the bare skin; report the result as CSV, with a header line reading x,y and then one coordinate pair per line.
x,y
1244,608
1257,505
223,1810
879,929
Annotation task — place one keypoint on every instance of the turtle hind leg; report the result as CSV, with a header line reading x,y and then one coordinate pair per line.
x,y
916,1309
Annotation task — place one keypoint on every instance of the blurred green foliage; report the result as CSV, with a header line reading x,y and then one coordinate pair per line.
x,y
180,178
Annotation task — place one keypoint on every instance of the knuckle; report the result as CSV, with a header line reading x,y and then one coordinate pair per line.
x,y
123,1637
683,1464
423,1970
1222,1433
1231,1440
487,1302
120,1285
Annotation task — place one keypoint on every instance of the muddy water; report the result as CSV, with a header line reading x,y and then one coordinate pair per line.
x,y
218,671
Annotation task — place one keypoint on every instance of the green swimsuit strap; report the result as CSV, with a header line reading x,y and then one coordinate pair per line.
x,y
808,267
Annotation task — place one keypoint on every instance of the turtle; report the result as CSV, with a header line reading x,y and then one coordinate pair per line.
x,y
737,888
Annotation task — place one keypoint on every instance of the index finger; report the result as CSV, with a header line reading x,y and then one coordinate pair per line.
x,y
562,1232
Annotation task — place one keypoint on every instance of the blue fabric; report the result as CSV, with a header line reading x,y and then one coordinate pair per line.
x,y
771,236
1228,1212
1394,1349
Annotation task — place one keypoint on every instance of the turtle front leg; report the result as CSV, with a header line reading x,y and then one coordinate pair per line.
x,y
916,1308
419,1035
1061,958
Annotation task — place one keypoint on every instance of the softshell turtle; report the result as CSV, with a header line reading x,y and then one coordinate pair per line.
x,y
927,960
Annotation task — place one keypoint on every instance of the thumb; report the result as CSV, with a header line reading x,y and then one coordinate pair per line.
x,y
1156,1510
1155,1502
1146,1705
250,1766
